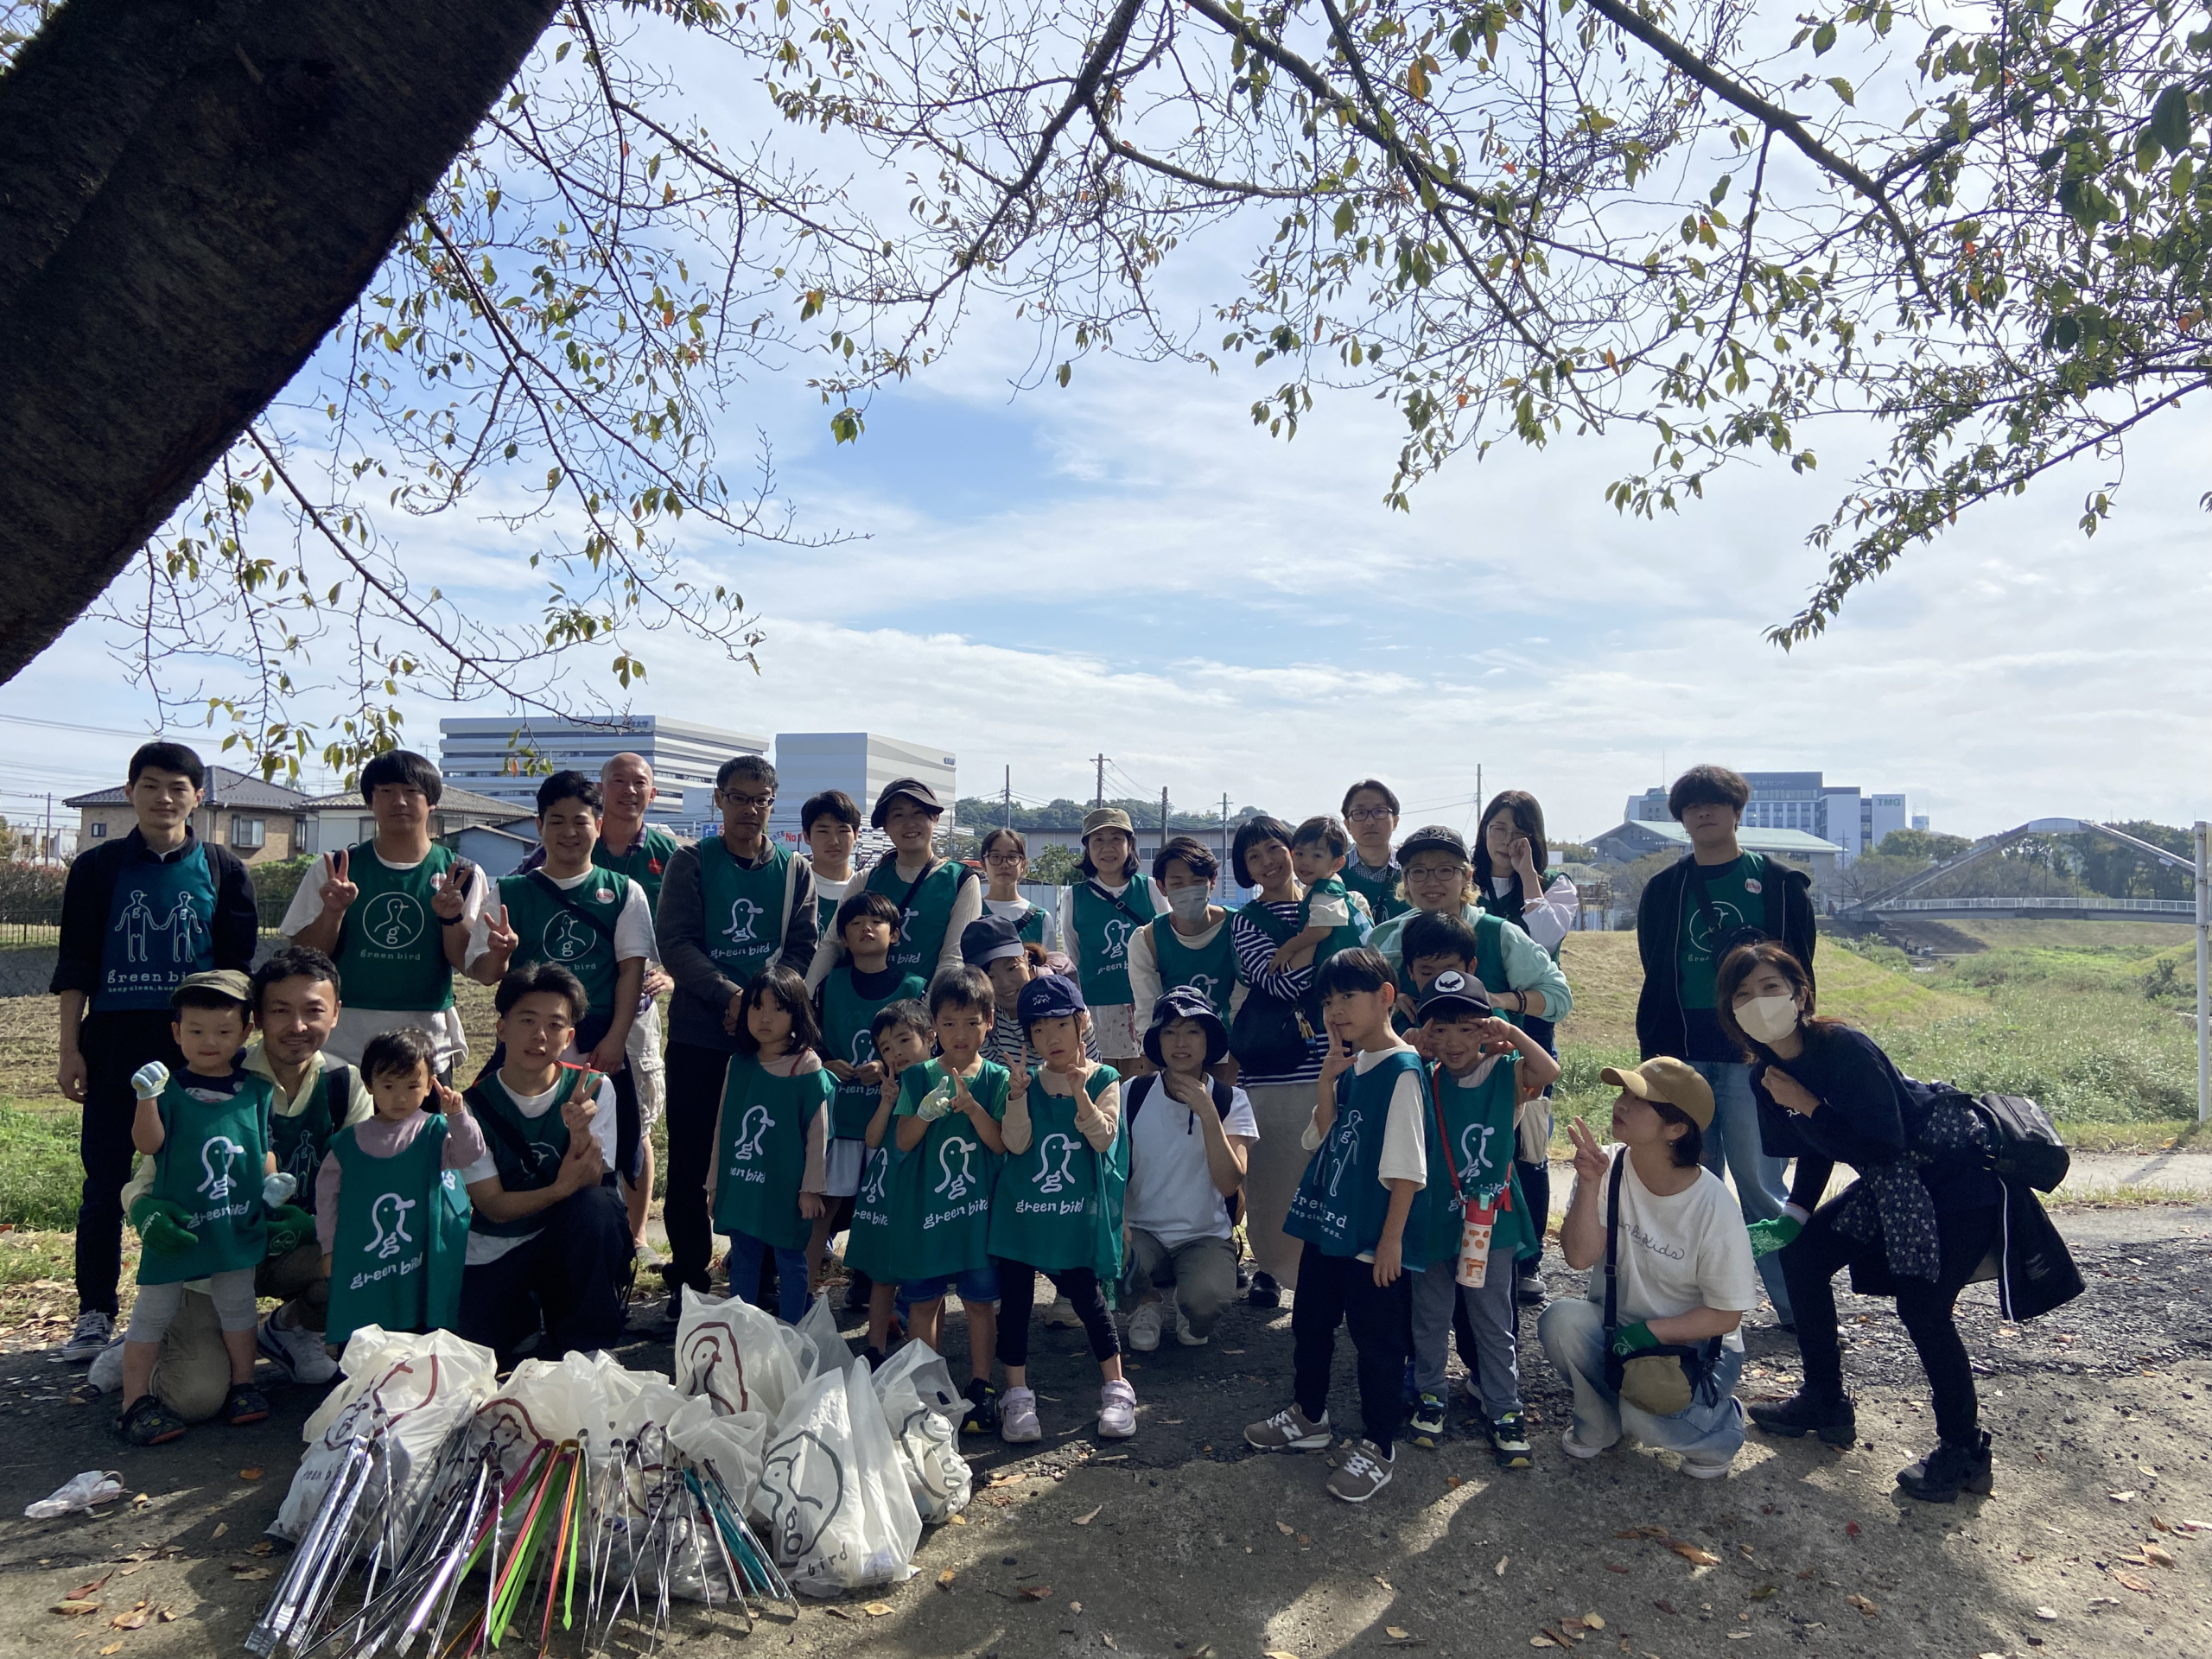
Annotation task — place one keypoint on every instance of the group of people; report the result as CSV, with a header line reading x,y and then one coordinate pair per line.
x,y
977,1091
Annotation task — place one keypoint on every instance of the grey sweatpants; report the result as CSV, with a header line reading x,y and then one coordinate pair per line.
x,y
1495,1315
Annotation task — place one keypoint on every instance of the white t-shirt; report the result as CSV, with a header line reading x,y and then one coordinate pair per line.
x,y
1171,1192
835,891
356,1026
1678,1253
1405,1131
485,1246
633,923
1017,911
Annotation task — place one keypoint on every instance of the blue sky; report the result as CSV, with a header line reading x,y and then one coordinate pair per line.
x,y
1128,565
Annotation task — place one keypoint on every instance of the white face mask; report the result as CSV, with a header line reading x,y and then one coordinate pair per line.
x,y
1189,903
1768,1018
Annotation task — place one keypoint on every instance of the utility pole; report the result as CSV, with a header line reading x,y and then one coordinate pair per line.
x,y
46,851
1099,799
1224,878
1479,785
2204,973
1163,814
1009,797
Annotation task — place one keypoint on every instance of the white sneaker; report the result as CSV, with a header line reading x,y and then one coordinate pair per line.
x,y
95,1330
1289,1430
1698,1468
1575,1448
1062,1314
298,1352
1144,1328
1018,1417
648,1257
1183,1334
1117,1410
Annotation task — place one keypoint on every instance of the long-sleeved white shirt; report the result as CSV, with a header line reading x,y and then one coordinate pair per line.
x,y
1549,915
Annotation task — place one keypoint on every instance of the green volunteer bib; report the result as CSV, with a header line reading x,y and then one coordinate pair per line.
x,y
210,1165
868,1247
395,1214
1501,905
743,909
160,928
921,931
1738,900
760,1140
527,1150
1030,926
1210,970
1352,934
1058,1204
391,945
1341,1202
846,1019
1488,964
1475,1164
1102,926
644,863
1381,892
941,1198
300,1140
570,934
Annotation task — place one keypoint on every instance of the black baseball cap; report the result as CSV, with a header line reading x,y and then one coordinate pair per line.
x,y
1452,992
914,789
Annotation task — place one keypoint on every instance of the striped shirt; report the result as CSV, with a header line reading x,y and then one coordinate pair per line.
x,y
1254,951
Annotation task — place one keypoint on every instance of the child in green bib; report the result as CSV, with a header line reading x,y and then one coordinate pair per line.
x,y
1479,1221
901,1032
1058,1210
1331,917
947,1129
391,1211
856,990
206,1214
766,1186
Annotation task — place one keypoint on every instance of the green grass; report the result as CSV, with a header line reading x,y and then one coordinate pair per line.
x,y
40,1176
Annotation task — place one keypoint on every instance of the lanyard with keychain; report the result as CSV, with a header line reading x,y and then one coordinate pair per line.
x,y
1478,1221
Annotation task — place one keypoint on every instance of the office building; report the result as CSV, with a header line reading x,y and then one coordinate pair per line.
x,y
1841,814
507,759
860,763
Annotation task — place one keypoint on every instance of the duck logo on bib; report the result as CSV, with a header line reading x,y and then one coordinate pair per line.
x,y
395,921
743,912
957,1182
388,1226
1345,1144
568,938
1205,985
879,1168
1053,1158
1116,935
216,1157
749,1133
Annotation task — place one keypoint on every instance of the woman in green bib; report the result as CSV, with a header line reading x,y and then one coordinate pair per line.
x,y
206,1214
1439,879
1099,918
390,1210
936,897
1190,947
946,1126
1057,1211
768,1180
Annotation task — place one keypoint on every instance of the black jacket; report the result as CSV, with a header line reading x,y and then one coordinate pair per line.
x,y
1662,1025
89,895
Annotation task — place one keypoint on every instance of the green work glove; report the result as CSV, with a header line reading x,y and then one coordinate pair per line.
x,y
289,1226
1767,1236
1633,1339
160,1226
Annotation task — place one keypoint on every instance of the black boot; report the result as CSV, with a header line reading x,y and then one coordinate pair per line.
x,y
1950,1469
1833,1421
858,1285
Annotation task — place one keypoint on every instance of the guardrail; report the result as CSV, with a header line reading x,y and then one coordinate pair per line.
x,y
2159,906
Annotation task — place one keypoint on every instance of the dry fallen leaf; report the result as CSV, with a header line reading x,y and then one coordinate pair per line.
x,y
1615,1567
1035,1592
73,1606
2130,1581
1864,1606
1304,1539
85,1590
261,1546
875,1609
1285,1528
1455,1480
1397,1632
1850,1529
944,1578
221,1527
1085,1520
2121,1497
1279,1653
1075,1606
241,1574
837,1612
1500,1568
112,1647
168,1614
1541,1642
2046,1614
959,1519
1384,1582
2155,1556
1764,1591
134,1620
1591,1622
1693,1554
249,1474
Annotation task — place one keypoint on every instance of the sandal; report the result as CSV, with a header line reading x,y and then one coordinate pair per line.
x,y
147,1421
244,1404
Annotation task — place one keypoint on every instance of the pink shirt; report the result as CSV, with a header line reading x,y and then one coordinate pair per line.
x,y
381,1137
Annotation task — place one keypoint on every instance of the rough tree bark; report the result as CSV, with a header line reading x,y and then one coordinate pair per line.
x,y
191,193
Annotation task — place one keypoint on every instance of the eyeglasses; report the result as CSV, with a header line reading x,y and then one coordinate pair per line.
x,y
737,802
1370,814
1438,873
1004,859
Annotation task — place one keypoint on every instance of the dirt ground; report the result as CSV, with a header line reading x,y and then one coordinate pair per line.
x,y
1182,1542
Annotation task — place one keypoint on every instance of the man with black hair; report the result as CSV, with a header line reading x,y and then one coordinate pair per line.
x,y
1371,810
829,824
731,906
114,988
395,912
548,1237
1692,914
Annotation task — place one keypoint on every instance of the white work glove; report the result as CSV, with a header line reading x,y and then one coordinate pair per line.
x,y
277,1189
149,1079
936,1104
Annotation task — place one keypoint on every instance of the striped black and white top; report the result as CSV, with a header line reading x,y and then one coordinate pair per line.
x,y
1254,951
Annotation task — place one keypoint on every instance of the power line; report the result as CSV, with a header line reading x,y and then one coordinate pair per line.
x,y
70,726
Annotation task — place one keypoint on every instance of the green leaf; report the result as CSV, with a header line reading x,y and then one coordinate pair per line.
x,y
2170,122
1823,38
1842,89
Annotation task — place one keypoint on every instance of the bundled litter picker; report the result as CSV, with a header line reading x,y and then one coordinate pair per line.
x,y
442,1512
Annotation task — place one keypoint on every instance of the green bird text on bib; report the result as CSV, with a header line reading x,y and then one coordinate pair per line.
x,y
941,1198
391,945
394,1215
761,1144
1103,927
212,1158
743,909
1058,1204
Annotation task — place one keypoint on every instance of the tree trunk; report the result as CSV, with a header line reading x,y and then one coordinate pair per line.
x,y
191,193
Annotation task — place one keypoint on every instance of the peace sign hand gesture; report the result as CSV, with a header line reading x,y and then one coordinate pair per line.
x,y
1591,1162
338,893
452,897
1019,1088
499,939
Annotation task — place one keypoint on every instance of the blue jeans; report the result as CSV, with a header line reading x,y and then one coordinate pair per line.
x,y
1732,1144
977,1285
791,1293
1573,1332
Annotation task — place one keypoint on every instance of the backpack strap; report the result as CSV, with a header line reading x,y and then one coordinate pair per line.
x,y
1612,1243
559,895
337,1092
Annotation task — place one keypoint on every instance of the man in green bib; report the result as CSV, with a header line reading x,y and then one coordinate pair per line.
x,y
627,845
394,913
729,907
592,922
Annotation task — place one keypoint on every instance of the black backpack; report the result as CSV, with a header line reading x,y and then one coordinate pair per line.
x,y
1224,1100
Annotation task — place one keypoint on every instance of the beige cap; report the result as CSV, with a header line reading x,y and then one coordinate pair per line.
x,y
1106,817
224,981
1675,1082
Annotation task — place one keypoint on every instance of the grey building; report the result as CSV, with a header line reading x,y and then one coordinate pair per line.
x,y
507,759
1854,821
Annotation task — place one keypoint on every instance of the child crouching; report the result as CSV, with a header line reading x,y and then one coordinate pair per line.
x,y
1058,1210
390,1210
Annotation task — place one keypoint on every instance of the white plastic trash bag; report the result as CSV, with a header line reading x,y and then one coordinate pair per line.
x,y
81,1492
820,1344
734,1354
418,1388
923,1411
833,1497
729,1443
